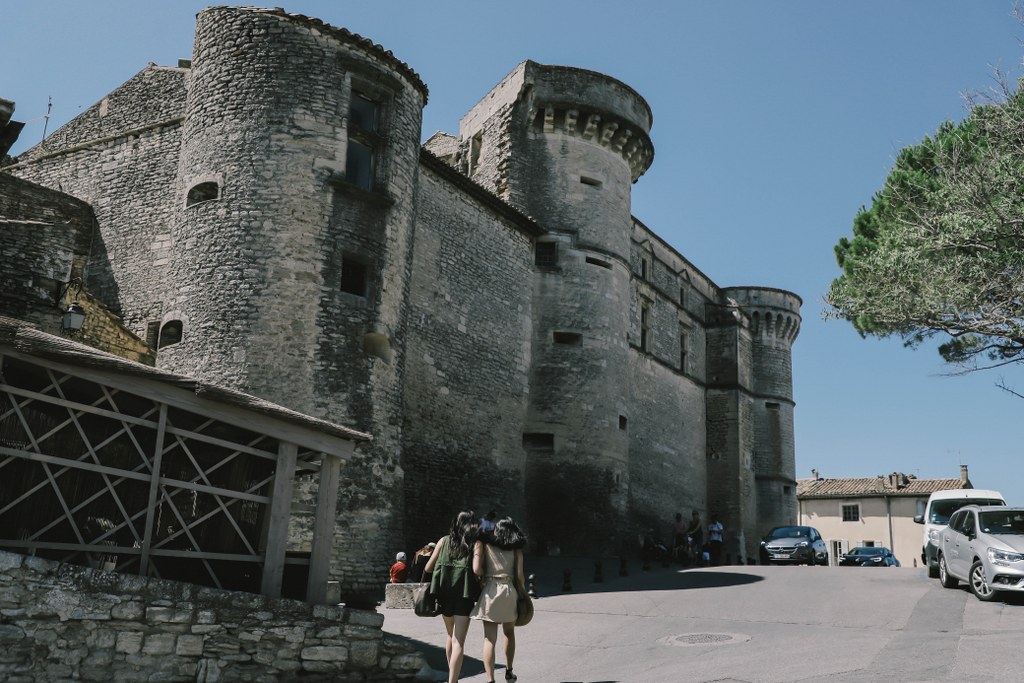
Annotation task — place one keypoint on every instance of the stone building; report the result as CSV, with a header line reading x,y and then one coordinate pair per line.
x,y
871,511
485,305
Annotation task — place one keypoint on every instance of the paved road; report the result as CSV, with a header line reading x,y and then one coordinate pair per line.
x,y
754,624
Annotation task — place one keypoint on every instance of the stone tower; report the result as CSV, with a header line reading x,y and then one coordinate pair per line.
x,y
564,145
292,237
751,447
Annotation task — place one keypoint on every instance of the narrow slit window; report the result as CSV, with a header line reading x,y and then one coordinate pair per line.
x,y
353,276
645,328
587,180
598,262
683,345
568,338
644,269
541,441
623,422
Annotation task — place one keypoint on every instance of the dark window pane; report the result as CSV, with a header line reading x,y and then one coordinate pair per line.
x,y
353,277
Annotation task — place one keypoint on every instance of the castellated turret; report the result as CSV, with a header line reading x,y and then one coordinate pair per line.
x,y
751,443
564,145
296,179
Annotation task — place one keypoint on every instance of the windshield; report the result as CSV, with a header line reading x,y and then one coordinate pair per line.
x,y
1002,522
942,510
867,551
790,532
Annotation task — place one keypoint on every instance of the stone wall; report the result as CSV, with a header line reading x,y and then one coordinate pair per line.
x,y
467,360
121,156
64,622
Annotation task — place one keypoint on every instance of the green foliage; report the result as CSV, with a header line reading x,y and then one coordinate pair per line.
x,y
940,249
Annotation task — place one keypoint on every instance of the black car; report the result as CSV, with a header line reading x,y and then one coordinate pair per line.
x,y
794,544
864,556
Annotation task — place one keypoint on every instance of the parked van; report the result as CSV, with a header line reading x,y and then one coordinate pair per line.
x,y
940,507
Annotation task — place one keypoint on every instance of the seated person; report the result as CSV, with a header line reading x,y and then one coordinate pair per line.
x,y
399,570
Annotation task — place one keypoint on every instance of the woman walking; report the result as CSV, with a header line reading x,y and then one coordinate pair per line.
x,y
498,561
456,588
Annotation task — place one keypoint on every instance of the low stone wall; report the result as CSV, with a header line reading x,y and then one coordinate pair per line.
x,y
62,622
399,595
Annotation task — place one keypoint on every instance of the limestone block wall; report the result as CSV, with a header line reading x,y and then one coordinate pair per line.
x,y
667,430
121,156
65,622
44,235
467,360
258,268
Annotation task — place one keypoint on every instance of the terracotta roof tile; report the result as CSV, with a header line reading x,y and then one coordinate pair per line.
x,y
873,486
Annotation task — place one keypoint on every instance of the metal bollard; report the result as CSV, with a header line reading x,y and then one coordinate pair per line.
x,y
623,567
531,585
598,574
567,581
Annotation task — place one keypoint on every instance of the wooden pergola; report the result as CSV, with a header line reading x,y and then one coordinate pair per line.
x,y
109,463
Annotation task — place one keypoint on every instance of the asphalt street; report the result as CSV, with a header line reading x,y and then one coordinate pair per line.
x,y
753,624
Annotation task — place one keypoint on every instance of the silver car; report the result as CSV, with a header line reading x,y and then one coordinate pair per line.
x,y
984,546
794,544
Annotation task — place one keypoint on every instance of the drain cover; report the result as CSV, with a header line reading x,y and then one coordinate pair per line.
x,y
693,639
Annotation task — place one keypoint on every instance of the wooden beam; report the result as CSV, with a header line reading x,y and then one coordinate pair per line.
x,y
323,527
280,513
154,489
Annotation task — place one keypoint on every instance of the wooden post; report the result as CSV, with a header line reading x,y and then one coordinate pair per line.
x,y
154,488
323,528
277,528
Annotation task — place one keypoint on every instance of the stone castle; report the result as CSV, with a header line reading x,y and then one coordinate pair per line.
x,y
485,304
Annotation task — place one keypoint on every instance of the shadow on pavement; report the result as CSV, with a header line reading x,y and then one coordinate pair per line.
x,y
436,659
550,576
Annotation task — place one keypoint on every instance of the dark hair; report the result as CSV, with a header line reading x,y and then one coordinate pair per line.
x,y
507,535
463,534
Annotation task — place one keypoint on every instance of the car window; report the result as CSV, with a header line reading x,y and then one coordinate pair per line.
x,y
942,510
968,525
956,520
1002,522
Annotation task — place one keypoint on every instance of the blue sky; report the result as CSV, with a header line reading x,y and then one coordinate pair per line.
x,y
773,123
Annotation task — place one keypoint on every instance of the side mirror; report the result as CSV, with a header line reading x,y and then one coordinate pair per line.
x,y
919,519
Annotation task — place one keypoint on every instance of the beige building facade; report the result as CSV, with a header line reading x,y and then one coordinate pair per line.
x,y
870,511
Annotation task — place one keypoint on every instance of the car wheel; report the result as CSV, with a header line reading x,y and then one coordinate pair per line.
x,y
979,584
945,579
824,560
811,560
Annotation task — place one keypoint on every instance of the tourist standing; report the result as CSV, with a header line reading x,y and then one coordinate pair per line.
x,y
498,561
716,535
456,588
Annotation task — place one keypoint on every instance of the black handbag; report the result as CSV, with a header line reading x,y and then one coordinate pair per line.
x,y
424,603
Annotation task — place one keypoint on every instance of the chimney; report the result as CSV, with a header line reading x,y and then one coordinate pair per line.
x,y
814,475
965,482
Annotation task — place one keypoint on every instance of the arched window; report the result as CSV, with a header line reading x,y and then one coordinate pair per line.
x,y
170,333
203,192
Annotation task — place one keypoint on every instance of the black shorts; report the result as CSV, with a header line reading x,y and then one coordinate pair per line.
x,y
455,607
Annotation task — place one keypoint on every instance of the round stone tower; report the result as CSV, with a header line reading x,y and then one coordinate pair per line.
x,y
774,322
292,240
564,145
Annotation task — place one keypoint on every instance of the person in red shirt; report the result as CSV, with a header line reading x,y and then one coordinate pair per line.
x,y
399,570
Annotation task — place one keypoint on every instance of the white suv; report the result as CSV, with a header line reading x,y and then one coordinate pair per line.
x,y
940,507
983,546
